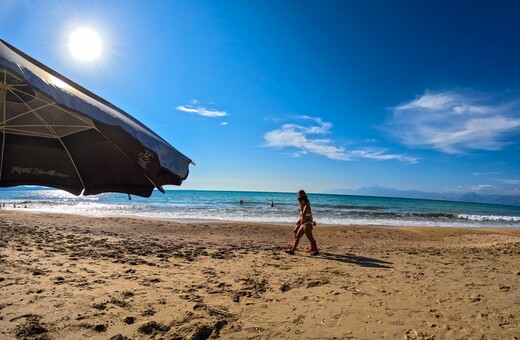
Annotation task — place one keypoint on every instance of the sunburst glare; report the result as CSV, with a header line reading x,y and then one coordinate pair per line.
x,y
85,44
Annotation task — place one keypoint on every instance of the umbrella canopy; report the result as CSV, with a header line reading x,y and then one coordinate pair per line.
x,y
55,133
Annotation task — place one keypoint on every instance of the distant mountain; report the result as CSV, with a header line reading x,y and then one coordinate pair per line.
x,y
470,197
503,199
388,192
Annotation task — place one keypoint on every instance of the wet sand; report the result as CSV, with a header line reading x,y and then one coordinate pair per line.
x,y
72,277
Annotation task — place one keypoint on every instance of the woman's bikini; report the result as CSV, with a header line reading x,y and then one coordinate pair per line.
x,y
308,217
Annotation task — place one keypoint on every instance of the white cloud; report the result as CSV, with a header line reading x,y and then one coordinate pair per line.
x,y
195,107
297,136
430,102
455,121
481,187
489,173
305,139
381,155
511,181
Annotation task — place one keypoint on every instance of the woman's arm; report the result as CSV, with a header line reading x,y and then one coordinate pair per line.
x,y
304,211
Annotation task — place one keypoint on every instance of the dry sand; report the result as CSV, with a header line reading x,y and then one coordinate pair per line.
x,y
73,277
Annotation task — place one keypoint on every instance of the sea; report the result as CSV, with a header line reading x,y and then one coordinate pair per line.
x,y
267,207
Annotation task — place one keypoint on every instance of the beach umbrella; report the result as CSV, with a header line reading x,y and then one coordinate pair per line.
x,y
55,133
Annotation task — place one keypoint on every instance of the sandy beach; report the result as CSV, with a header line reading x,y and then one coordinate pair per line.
x,y
73,277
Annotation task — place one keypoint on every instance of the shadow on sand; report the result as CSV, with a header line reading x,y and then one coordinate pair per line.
x,y
354,259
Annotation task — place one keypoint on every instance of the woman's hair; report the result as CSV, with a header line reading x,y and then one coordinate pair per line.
x,y
302,195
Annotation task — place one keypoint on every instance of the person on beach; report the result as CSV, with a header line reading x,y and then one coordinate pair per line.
x,y
304,225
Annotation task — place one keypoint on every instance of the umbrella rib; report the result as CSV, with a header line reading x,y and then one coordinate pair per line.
x,y
26,129
18,85
26,133
54,125
12,130
61,142
32,110
47,104
66,150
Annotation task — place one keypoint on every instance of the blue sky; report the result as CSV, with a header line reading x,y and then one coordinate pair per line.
x,y
322,95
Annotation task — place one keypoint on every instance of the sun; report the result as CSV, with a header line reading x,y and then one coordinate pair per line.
x,y
84,44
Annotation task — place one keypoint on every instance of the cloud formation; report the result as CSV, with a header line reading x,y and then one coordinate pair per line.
x,y
195,107
455,121
308,139
303,139
511,181
381,155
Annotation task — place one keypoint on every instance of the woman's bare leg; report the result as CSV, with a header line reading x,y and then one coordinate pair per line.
x,y
308,233
297,236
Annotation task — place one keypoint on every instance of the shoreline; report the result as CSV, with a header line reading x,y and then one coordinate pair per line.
x,y
133,278
217,206
198,220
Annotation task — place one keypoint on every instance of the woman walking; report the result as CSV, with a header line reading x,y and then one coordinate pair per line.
x,y
304,225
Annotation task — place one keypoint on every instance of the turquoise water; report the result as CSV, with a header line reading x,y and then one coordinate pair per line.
x,y
187,205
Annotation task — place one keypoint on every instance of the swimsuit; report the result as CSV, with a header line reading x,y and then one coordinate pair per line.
x,y
307,217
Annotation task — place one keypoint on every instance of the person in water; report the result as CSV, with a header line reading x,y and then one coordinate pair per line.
x,y
304,225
